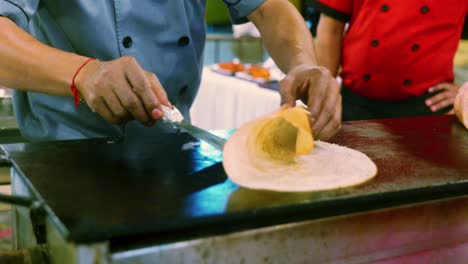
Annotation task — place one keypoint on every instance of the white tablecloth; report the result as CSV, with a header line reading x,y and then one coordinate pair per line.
x,y
225,102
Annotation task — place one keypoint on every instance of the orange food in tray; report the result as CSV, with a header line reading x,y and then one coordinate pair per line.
x,y
257,71
231,66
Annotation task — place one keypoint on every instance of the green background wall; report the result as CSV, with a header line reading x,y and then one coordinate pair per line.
x,y
217,13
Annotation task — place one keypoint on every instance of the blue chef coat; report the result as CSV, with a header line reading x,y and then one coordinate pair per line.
x,y
165,36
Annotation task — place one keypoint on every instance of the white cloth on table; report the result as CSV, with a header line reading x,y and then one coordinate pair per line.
x,y
225,102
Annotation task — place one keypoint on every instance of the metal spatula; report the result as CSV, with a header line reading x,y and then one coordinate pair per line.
x,y
173,117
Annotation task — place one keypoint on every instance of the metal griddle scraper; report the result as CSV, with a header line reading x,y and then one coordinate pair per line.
x,y
173,117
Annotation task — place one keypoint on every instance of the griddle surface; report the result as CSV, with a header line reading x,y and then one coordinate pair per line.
x,y
114,191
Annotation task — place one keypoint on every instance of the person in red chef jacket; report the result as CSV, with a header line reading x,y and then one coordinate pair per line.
x,y
396,57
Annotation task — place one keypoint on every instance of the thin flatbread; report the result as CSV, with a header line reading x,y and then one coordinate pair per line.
x,y
461,105
327,167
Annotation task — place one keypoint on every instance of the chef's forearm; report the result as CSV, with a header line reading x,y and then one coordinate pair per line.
x,y
29,65
285,34
328,43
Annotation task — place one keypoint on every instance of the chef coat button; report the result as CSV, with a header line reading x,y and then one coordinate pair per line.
x,y
384,8
407,82
366,77
127,42
424,9
374,43
183,41
183,89
415,47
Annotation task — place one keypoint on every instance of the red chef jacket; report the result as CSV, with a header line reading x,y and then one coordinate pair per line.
x,y
397,49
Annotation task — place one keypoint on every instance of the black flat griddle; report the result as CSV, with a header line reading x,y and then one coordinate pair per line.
x,y
152,187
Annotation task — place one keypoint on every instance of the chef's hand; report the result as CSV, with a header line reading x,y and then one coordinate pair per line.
x,y
445,94
316,87
121,90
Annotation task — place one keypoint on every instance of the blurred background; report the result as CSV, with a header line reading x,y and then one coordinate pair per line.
x,y
225,42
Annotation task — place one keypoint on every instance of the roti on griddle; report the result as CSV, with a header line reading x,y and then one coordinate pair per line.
x,y
278,153
461,105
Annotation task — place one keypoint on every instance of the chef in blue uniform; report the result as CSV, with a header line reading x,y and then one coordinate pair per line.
x,y
85,69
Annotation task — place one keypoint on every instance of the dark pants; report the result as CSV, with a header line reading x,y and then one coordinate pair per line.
x,y
356,107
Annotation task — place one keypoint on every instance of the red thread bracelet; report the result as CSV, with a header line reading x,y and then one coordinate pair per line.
x,y
76,93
